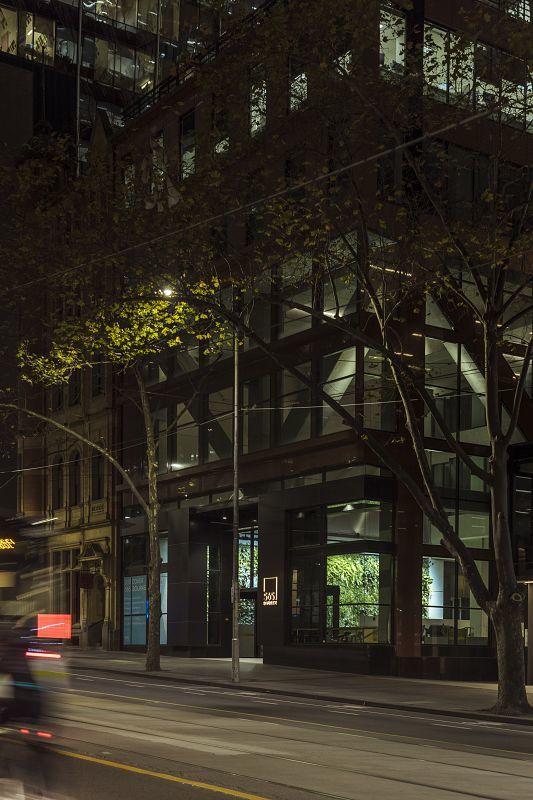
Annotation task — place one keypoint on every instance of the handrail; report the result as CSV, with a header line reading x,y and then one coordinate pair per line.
x,y
152,96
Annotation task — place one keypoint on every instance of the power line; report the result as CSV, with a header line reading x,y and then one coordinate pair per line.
x,y
244,410
253,204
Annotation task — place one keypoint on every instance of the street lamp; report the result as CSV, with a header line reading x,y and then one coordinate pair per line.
x,y
235,589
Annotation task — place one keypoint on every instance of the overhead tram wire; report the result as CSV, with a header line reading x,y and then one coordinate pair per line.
x,y
252,204
250,409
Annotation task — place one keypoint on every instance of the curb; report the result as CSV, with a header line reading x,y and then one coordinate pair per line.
x,y
445,712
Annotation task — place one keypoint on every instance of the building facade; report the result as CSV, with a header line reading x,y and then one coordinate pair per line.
x,y
339,568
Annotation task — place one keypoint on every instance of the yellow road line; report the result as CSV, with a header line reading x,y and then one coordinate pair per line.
x,y
161,776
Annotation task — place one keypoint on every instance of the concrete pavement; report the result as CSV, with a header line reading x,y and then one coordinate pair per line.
x,y
447,697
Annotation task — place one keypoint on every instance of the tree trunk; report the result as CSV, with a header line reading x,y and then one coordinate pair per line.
x,y
512,696
153,649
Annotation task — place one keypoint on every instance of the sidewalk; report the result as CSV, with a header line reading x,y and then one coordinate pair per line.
x,y
447,697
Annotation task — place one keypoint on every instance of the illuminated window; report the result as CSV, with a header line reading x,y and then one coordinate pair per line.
x,y
391,41
8,30
37,35
158,178
187,145
450,613
257,100
448,65
124,67
337,376
126,12
297,85
294,401
340,589
379,394
343,63
144,71
104,61
520,8
147,15
184,437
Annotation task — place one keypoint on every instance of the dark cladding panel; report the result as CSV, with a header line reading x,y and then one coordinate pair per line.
x,y
16,111
272,565
178,594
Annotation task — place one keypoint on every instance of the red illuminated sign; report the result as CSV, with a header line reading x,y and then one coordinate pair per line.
x,y
54,626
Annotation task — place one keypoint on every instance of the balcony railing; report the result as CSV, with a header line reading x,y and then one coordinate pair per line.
x,y
150,98
522,9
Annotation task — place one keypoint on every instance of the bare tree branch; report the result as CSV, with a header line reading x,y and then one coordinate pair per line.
x,y
519,393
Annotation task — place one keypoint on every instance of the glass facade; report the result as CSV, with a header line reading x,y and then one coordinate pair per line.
x,y
450,613
338,378
8,30
125,61
298,84
295,284
380,399
522,492
183,437
135,557
220,426
477,75
294,401
256,414
458,390
339,290
391,41
340,589
257,100
187,145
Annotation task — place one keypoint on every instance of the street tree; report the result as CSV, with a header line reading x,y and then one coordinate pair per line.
x,y
125,334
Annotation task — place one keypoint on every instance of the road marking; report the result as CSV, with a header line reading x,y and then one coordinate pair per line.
x,y
355,732
208,787
348,713
461,725
287,700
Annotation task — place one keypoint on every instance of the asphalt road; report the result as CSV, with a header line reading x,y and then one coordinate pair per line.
x,y
128,739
